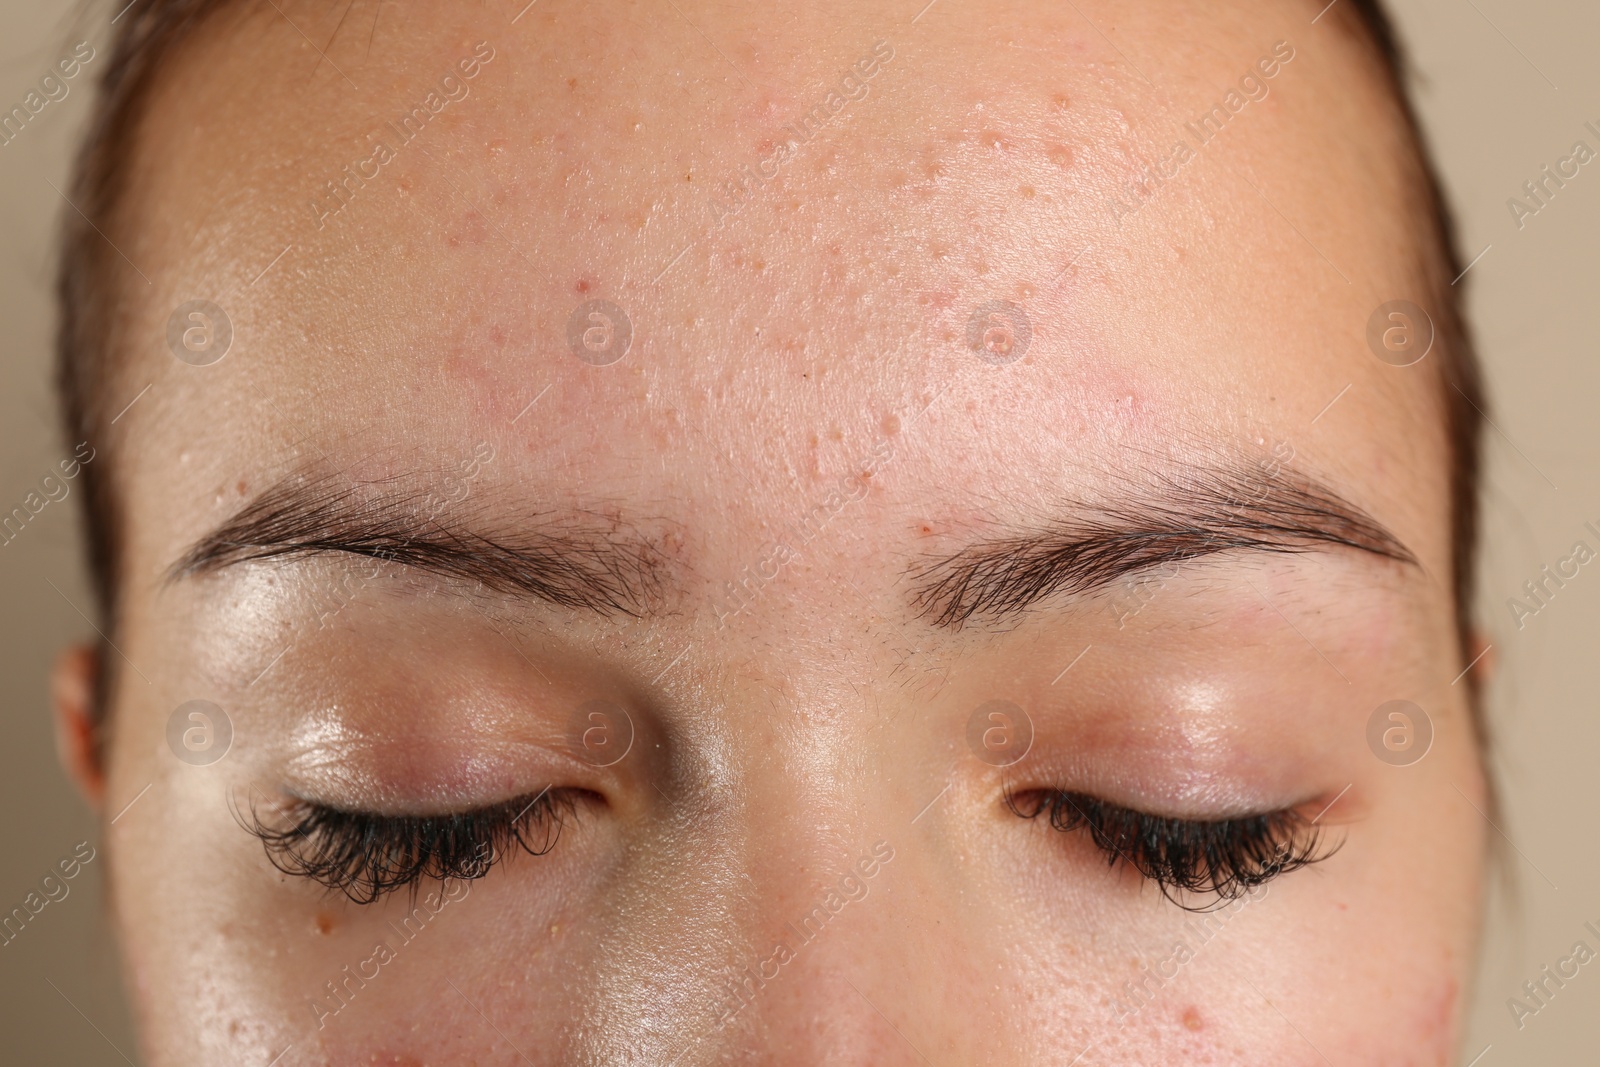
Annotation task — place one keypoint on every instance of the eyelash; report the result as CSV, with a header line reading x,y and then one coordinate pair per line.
x,y
367,856
1222,857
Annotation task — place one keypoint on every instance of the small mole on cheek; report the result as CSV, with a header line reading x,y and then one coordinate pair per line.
x,y
1192,1020
240,487
324,923
583,285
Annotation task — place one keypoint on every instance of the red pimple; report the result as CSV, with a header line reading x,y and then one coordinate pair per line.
x,y
1191,1018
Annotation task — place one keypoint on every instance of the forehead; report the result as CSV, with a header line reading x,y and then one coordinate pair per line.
x,y
996,236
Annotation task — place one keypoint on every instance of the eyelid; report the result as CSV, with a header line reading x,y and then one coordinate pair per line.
x,y
367,855
1224,857
436,753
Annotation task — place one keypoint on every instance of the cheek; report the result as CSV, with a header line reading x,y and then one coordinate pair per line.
x,y
1332,962
1439,1020
1191,1019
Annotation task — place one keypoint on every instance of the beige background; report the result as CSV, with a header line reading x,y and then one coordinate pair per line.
x,y
1505,87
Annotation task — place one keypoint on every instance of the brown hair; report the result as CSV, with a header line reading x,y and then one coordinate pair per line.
x,y
152,31
87,283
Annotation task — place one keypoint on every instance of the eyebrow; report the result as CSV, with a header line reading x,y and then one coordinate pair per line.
x,y
1210,510
568,561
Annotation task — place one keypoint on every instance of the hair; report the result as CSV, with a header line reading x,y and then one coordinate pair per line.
x,y
91,274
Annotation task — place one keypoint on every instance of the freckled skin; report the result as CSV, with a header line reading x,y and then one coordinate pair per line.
x,y
773,347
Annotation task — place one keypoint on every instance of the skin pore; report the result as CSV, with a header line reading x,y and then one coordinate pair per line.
x,y
404,537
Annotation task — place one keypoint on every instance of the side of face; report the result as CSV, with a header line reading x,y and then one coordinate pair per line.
x,y
758,603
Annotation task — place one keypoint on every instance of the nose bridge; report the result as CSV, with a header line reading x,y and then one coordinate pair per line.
x,y
799,902
827,938
852,934
757,856
830,928
867,954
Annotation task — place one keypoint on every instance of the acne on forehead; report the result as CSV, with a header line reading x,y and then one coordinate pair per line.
x,y
861,263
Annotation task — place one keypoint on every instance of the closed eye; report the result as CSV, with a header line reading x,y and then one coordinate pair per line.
x,y
1221,857
367,855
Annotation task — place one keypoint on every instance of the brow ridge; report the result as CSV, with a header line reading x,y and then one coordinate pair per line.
x,y
563,560
1175,521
